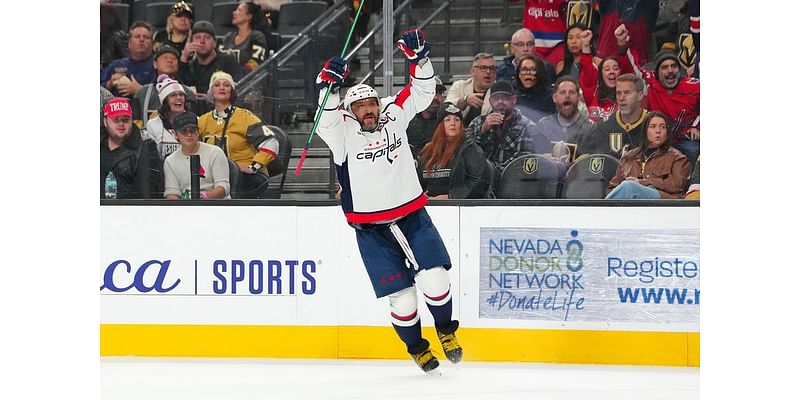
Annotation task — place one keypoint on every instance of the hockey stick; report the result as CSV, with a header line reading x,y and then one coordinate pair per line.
x,y
327,93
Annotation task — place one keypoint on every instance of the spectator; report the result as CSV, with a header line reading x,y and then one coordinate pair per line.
x,y
468,95
179,25
500,133
420,129
522,43
133,160
124,76
214,172
452,167
165,63
243,137
654,170
248,44
562,125
199,60
172,97
598,83
113,39
533,89
678,97
570,65
616,135
640,18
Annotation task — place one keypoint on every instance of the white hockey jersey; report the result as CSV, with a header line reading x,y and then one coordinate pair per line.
x,y
376,169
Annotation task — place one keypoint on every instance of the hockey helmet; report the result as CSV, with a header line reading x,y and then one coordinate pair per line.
x,y
359,92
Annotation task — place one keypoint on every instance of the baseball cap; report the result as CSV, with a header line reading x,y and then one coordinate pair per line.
x,y
440,87
182,8
185,120
448,109
165,48
502,87
204,26
117,107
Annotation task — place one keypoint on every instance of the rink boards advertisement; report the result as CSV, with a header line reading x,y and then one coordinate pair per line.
x,y
289,282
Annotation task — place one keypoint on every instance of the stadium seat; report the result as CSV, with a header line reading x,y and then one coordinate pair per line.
x,y
588,177
530,176
296,16
139,9
156,14
491,176
234,178
124,13
222,16
279,166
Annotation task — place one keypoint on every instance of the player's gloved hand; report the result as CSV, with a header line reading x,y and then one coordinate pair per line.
x,y
414,45
334,72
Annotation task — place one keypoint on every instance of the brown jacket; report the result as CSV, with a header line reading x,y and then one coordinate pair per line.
x,y
666,171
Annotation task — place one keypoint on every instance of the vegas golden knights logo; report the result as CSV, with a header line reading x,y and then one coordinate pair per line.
x,y
530,165
615,141
687,53
579,12
596,165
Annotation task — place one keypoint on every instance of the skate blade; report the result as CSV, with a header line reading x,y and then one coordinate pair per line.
x,y
434,372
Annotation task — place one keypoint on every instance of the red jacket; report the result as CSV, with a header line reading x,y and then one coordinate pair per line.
x,y
589,79
681,104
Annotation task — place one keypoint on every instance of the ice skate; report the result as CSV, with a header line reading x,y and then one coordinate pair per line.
x,y
424,358
449,343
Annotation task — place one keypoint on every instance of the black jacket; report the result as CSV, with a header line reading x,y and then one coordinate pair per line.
x,y
136,165
469,173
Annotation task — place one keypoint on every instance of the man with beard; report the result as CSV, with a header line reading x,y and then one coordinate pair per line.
x,y
123,77
420,129
668,92
500,133
624,129
197,72
469,94
133,161
382,198
562,125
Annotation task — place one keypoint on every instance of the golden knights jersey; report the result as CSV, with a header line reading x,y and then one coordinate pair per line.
x,y
376,169
613,137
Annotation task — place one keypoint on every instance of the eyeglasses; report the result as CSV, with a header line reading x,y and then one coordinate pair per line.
x,y
524,44
531,71
485,68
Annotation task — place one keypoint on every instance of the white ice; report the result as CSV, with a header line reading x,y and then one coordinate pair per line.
x,y
125,378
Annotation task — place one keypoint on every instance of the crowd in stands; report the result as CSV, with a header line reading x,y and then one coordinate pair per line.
x,y
603,85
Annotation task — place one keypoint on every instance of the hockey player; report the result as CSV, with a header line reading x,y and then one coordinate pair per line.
x,y
382,198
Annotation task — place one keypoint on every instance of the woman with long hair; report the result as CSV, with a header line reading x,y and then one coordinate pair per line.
x,y
160,128
654,170
243,137
598,82
179,26
248,44
533,89
572,50
451,166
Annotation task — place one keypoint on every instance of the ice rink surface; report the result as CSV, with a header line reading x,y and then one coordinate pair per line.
x,y
125,378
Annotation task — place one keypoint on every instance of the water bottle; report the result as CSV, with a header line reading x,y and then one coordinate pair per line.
x,y
111,185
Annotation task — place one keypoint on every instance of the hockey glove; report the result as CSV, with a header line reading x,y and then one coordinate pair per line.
x,y
414,45
334,72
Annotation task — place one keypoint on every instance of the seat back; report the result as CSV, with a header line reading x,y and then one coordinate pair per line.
x,y
139,10
156,14
295,16
124,13
234,178
491,175
589,176
280,165
222,17
529,176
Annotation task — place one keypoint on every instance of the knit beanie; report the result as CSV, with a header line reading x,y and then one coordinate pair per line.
x,y
221,75
166,86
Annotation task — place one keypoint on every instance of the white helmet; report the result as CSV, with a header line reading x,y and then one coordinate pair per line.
x,y
359,92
